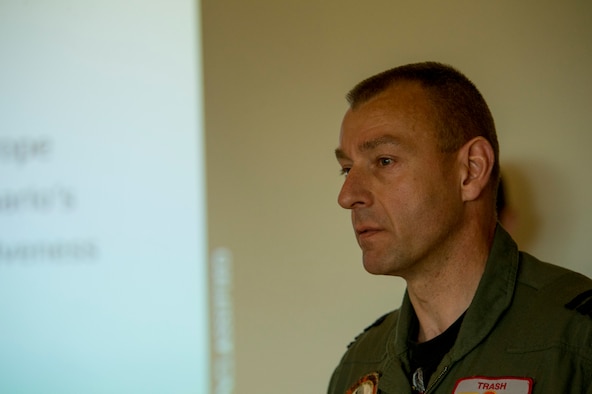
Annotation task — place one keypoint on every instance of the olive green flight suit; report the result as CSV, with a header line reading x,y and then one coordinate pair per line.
x,y
517,326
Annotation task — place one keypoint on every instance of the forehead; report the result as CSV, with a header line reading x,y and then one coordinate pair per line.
x,y
403,111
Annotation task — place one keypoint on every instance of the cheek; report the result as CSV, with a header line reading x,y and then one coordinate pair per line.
x,y
442,205
403,203
417,203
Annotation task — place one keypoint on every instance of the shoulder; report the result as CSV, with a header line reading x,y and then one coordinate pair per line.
x,y
555,301
376,324
370,344
365,354
551,284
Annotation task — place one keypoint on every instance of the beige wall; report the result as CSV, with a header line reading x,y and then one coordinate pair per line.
x,y
276,72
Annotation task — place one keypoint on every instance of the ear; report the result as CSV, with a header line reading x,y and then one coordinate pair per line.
x,y
477,159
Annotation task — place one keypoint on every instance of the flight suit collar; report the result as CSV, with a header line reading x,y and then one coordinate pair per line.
x,y
493,296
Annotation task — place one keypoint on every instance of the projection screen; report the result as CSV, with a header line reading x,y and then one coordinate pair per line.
x,y
103,282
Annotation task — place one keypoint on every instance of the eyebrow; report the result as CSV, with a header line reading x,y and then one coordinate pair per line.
x,y
370,145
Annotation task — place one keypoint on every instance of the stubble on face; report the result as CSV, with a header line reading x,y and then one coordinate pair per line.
x,y
403,212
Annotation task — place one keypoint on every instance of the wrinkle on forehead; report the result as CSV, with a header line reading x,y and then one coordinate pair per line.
x,y
371,144
403,109
374,143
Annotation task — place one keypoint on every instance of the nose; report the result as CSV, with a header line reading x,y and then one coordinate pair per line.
x,y
355,191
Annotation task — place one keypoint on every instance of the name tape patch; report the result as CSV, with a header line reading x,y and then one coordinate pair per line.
x,y
493,385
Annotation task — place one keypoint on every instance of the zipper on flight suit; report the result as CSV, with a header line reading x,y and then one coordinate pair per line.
x,y
437,380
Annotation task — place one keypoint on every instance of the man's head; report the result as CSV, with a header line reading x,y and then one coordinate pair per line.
x,y
419,149
461,110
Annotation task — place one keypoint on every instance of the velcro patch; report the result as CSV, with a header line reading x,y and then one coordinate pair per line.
x,y
493,385
368,384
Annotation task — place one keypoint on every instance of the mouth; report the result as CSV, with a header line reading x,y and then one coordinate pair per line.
x,y
365,232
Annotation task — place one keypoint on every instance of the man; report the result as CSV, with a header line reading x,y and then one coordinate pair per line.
x,y
419,152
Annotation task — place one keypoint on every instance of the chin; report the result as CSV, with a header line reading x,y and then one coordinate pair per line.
x,y
381,265
376,268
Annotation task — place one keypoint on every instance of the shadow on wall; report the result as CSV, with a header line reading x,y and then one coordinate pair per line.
x,y
525,213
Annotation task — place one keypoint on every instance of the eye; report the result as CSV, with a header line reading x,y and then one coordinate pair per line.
x,y
385,161
344,171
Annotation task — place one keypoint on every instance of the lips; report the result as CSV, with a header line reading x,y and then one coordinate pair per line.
x,y
365,225
366,231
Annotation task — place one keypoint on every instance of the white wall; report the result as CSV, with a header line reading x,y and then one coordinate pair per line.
x,y
276,72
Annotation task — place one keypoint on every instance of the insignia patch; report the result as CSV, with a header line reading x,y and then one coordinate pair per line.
x,y
485,385
368,384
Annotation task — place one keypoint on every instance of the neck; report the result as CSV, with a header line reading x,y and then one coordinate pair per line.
x,y
443,290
